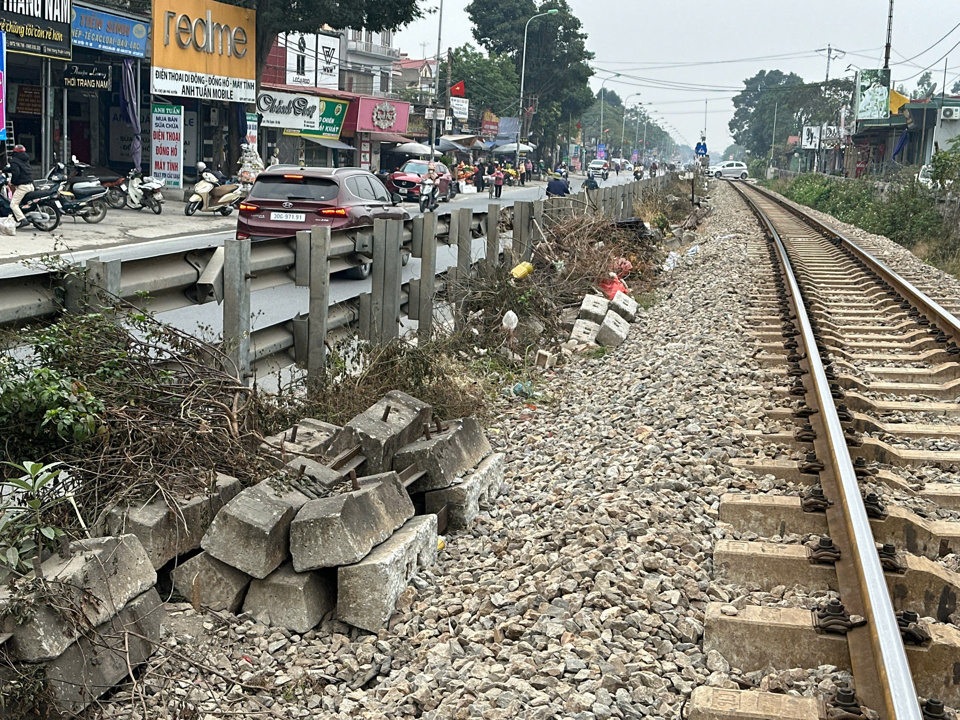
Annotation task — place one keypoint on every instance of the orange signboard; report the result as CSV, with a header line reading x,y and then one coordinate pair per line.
x,y
204,49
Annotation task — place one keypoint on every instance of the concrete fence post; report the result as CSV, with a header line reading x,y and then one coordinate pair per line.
x,y
236,303
103,283
428,277
386,274
464,241
492,255
536,229
319,301
522,217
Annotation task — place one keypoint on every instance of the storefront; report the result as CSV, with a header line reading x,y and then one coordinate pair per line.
x,y
204,61
372,121
302,129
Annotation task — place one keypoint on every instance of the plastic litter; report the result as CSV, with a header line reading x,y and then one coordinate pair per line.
x,y
522,270
510,320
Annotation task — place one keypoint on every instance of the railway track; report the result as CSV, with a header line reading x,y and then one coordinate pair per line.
x,y
864,442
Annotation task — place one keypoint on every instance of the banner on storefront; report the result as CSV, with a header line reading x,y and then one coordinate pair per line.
x,y
252,130
460,107
330,119
204,49
167,144
110,33
490,125
289,110
312,60
3,86
37,27
88,76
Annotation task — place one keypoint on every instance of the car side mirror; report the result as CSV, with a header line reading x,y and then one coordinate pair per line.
x,y
396,198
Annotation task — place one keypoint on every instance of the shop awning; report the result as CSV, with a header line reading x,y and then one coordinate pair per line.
x,y
389,137
333,144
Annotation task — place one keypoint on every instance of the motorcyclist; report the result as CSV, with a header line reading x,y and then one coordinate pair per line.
x,y
202,168
591,182
21,178
638,172
557,187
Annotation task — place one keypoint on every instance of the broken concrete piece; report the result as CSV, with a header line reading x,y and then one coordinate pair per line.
x,y
594,308
613,331
380,438
97,581
314,472
91,667
311,438
545,359
585,332
624,306
463,500
292,600
252,531
205,581
445,456
167,532
342,529
367,592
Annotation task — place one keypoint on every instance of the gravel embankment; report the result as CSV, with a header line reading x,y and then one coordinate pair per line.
x,y
581,595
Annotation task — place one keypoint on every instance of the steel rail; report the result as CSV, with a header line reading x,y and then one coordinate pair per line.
x,y
898,689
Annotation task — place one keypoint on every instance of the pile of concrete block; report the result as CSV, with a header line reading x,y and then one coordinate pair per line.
x,y
291,550
602,322
92,617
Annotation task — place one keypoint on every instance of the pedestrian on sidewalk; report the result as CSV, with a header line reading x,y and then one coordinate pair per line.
x,y
528,166
498,181
521,172
21,178
478,177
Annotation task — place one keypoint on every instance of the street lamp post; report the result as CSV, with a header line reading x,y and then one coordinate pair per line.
x,y
623,122
523,70
602,103
436,88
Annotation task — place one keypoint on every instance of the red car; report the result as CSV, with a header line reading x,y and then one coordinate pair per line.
x,y
406,181
287,198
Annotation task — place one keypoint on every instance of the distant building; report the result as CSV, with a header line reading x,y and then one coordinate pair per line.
x,y
414,74
368,62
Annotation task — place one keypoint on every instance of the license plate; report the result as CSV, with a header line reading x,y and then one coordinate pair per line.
x,y
401,191
288,217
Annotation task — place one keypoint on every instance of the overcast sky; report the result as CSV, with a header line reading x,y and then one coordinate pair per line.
x,y
638,37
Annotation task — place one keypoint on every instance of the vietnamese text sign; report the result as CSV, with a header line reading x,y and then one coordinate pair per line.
x,y
873,94
110,33
121,134
330,119
203,49
287,110
87,76
37,27
3,86
490,125
167,141
460,107
312,60
252,130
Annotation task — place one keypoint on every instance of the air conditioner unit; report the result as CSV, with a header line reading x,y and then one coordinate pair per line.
x,y
950,113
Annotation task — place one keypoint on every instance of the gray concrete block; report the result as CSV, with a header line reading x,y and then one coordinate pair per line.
x,y
594,308
380,438
585,332
342,529
367,592
463,500
445,456
205,581
167,532
312,438
314,472
613,331
98,580
292,600
91,667
252,531
624,306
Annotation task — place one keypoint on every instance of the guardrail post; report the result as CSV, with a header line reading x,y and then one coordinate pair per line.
x,y
416,237
385,301
492,255
464,244
103,283
522,217
363,317
319,301
236,303
536,229
428,277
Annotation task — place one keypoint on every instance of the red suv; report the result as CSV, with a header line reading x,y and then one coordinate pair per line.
x,y
406,181
287,198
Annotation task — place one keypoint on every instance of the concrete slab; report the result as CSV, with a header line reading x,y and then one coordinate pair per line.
x,y
445,456
367,592
292,600
342,529
381,438
709,703
252,531
98,580
167,532
766,565
464,498
205,581
311,438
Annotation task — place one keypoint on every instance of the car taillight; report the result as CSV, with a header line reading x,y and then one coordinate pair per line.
x,y
242,236
293,177
248,207
339,212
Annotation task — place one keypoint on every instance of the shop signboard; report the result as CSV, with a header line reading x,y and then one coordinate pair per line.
x,y
25,99
167,144
460,107
601,152
252,130
312,60
111,33
37,27
121,134
490,125
378,115
88,76
810,139
330,119
288,110
873,95
204,49
3,86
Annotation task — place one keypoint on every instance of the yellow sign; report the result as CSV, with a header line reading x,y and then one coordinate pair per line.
x,y
204,49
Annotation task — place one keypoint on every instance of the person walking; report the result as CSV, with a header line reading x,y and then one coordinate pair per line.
x,y
528,166
497,181
21,178
521,172
478,177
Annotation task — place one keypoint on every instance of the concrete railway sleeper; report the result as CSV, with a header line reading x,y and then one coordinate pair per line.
x,y
864,434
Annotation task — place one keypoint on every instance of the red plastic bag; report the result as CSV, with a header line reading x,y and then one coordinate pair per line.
x,y
612,285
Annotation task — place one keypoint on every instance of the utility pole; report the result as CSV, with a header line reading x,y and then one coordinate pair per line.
x,y
436,87
832,53
449,82
886,49
705,102
773,139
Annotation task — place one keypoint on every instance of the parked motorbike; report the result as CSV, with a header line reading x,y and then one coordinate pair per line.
x,y
79,196
211,195
144,192
429,194
116,191
38,206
